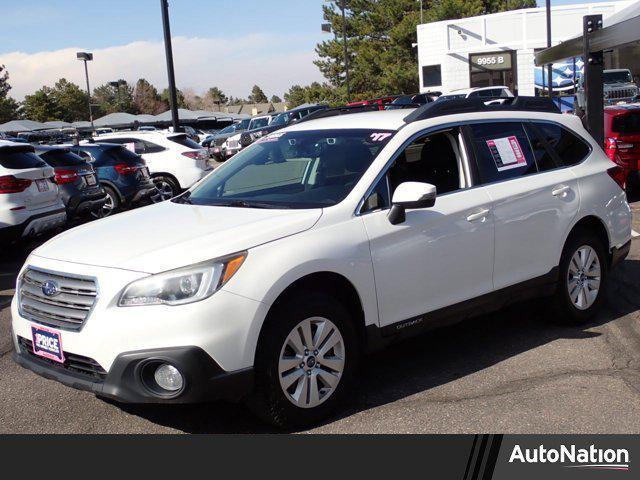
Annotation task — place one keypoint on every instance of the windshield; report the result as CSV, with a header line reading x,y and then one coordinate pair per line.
x,y
300,169
229,129
443,98
282,119
259,123
617,77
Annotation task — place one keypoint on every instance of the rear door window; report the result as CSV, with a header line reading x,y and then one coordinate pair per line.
x,y
16,158
502,151
570,148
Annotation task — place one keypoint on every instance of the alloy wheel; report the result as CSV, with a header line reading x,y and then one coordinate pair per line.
x,y
311,362
106,209
164,191
584,277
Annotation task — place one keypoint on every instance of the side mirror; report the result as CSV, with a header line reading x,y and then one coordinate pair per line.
x,y
411,195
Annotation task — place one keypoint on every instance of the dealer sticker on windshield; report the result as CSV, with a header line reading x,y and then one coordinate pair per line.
x,y
47,343
506,153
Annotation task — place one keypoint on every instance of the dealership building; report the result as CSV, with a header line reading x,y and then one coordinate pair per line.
x,y
498,49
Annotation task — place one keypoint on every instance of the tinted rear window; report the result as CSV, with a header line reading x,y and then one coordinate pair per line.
x,y
121,154
628,123
62,158
570,148
185,141
18,158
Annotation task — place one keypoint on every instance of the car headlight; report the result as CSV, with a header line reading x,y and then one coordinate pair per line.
x,y
183,285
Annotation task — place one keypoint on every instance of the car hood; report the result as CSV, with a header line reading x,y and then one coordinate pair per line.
x,y
170,235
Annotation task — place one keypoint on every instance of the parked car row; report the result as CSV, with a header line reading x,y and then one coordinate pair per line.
x,y
43,186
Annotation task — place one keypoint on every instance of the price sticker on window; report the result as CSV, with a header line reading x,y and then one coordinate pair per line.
x,y
507,153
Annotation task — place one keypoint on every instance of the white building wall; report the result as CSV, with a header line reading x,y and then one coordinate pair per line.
x,y
449,43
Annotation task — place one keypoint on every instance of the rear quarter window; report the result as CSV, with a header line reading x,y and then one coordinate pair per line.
x,y
570,148
185,141
19,158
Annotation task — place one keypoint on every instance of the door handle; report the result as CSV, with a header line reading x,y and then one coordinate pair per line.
x,y
560,191
481,215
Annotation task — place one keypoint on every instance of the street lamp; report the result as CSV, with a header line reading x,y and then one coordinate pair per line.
x,y
550,66
173,97
327,28
87,57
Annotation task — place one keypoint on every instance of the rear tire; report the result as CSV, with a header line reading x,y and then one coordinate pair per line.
x,y
111,206
300,382
583,276
167,188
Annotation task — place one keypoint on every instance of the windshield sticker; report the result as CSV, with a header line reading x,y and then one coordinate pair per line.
x,y
274,137
380,137
506,153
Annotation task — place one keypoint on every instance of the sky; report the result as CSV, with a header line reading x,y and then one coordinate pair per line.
x,y
231,44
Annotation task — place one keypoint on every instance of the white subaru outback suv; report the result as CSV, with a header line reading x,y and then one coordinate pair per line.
x,y
320,242
175,161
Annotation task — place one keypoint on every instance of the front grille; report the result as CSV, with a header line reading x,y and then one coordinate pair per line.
x,y
68,309
622,93
232,144
84,366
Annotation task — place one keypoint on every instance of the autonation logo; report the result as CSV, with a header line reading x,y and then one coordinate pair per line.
x,y
590,458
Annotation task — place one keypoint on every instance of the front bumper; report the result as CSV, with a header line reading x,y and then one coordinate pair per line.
x,y
224,328
204,379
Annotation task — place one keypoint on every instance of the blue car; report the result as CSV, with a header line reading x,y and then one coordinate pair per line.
x,y
123,175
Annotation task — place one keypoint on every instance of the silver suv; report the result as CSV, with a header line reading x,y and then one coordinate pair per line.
x,y
618,86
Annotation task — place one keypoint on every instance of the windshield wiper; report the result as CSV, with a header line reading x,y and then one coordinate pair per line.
x,y
245,204
184,198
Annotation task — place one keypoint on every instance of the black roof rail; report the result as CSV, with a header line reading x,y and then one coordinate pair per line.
x,y
334,112
440,108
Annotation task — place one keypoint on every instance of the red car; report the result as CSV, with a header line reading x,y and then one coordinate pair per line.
x,y
381,102
622,139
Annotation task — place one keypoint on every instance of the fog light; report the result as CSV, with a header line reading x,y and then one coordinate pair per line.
x,y
168,378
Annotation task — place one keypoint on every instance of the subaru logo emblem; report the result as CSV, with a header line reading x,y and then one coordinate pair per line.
x,y
50,288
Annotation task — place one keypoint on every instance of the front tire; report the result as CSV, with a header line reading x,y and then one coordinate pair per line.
x,y
583,278
306,361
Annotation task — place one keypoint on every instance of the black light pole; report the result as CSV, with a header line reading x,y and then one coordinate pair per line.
x,y
549,66
173,98
87,57
346,53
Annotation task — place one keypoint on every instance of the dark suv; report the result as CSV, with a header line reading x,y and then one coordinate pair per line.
x,y
79,187
123,174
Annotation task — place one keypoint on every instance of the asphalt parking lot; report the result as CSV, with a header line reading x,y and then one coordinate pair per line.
x,y
509,372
